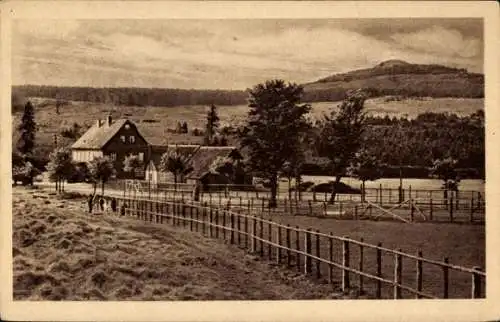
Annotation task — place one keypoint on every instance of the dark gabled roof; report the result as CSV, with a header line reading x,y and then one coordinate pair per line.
x,y
97,136
157,151
206,155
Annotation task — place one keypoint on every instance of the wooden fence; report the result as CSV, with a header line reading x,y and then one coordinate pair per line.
x,y
347,264
412,210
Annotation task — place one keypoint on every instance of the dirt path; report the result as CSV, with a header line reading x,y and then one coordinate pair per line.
x,y
62,253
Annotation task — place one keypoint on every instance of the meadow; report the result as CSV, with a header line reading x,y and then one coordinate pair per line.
x,y
60,252
154,121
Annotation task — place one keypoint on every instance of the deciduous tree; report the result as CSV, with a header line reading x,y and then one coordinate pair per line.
x,y
101,170
60,167
132,164
274,123
176,163
340,135
365,167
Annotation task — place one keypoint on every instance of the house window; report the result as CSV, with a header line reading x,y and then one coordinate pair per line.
x,y
132,139
141,156
127,126
122,138
113,156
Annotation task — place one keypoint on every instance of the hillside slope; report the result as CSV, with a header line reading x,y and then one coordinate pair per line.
x,y
392,77
62,253
396,77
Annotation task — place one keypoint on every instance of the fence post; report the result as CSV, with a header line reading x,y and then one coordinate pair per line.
x,y
231,215
419,274
345,264
412,210
191,218
324,209
361,259
451,208
398,266
379,270
210,227
278,249
269,239
471,216
288,245
330,253
431,210
445,278
310,207
476,283
254,235
204,216
297,246
263,206
217,223
246,231
307,249
318,254
238,228
261,235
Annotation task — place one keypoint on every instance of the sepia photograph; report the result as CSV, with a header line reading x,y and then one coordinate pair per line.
x,y
247,158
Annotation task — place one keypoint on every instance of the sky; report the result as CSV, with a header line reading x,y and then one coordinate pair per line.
x,y
230,54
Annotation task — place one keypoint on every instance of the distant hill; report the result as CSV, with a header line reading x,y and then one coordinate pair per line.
x,y
389,78
399,78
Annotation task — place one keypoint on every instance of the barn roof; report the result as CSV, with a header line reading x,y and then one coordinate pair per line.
x,y
206,155
158,150
97,136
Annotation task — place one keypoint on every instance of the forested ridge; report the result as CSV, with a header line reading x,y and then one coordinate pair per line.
x,y
393,77
415,144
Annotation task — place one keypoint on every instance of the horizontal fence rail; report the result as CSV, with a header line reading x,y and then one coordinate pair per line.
x,y
345,206
353,266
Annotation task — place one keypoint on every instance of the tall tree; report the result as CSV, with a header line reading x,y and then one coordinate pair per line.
x,y
212,124
340,135
101,170
60,167
132,164
28,130
365,167
274,123
176,163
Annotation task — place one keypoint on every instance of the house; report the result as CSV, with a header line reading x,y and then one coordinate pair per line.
x,y
153,173
115,139
203,160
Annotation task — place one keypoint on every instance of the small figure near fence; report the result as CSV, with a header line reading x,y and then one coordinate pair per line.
x,y
101,203
113,204
196,192
90,202
123,209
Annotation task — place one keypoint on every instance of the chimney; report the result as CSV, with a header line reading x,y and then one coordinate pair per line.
x,y
109,120
98,123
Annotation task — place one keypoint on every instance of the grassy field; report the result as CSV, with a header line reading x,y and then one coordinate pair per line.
x,y
155,120
62,253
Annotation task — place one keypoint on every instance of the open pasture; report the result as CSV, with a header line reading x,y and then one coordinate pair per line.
x,y
431,258
156,120
60,252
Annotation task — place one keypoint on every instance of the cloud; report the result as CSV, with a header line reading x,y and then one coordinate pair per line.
x,y
439,40
232,54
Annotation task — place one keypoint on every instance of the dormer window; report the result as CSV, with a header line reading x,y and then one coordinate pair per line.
x,y
132,139
122,138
